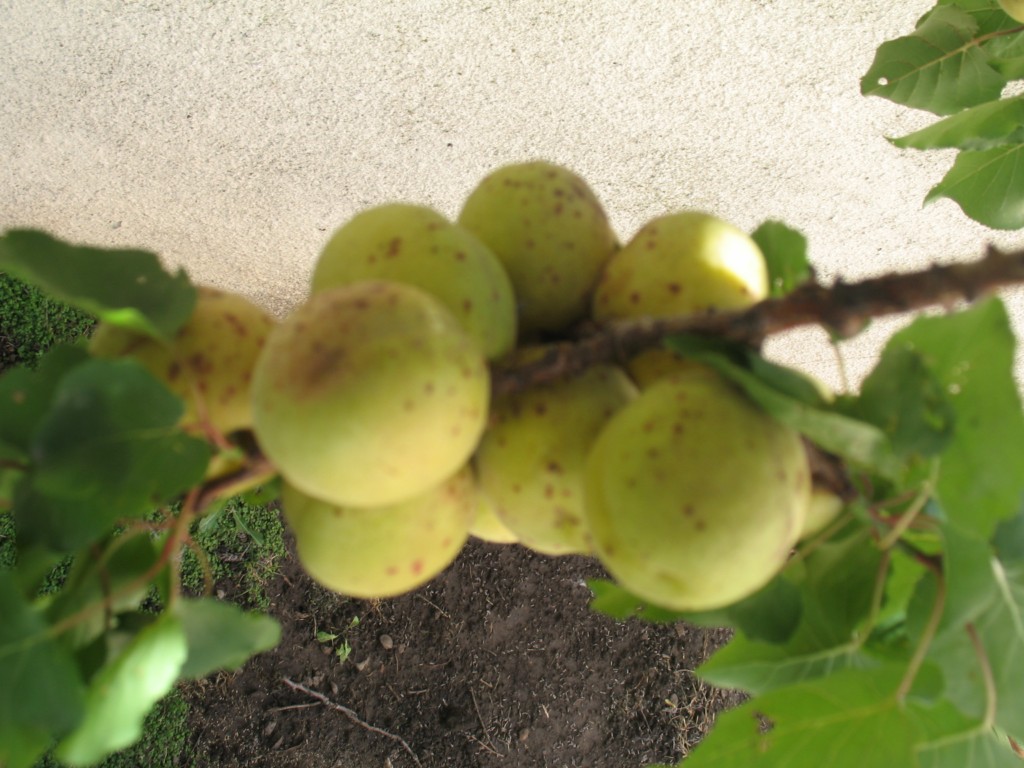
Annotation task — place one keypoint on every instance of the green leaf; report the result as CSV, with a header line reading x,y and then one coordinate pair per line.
x,y
971,353
25,394
836,583
907,401
1000,629
124,691
109,448
905,574
222,636
785,253
940,67
987,126
1008,540
967,569
846,720
116,578
987,14
35,672
988,186
770,614
22,747
619,604
1007,54
789,381
123,287
859,442
953,740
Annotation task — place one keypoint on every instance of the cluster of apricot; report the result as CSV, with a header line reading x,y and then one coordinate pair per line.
x,y
373,398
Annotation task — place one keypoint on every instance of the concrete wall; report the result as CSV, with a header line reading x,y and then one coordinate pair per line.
x,y
233,136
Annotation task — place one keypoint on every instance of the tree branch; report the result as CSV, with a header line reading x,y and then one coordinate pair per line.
x,y
843,308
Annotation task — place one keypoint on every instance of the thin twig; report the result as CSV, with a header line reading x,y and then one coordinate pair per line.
x,y
351,715
483,726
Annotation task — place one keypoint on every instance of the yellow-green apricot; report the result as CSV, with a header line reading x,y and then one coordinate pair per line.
x,y
369,394
677,265
1013,8
551,233
824,507
417,245
487,526
382,551
532,458
209,363
694,497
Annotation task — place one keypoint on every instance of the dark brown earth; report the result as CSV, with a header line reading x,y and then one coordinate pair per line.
x,y
498,662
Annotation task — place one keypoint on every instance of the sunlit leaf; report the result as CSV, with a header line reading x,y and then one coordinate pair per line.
x,y
1007,53
785,253
995,124
124,691
907,401
987,185
124,287
971,353
938,67
860,442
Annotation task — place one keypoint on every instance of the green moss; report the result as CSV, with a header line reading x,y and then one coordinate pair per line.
x,y
31,322
244,543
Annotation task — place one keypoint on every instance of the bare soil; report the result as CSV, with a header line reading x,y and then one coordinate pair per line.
x,y
498,663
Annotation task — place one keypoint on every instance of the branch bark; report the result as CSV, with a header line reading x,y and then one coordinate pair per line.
x,y
844,308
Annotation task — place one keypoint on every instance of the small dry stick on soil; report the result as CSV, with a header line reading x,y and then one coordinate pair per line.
x,y
351,715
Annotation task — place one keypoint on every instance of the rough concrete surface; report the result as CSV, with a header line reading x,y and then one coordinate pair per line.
x,y
232,136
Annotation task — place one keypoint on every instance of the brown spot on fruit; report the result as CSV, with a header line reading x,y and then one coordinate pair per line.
x,y
200,363
394,247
